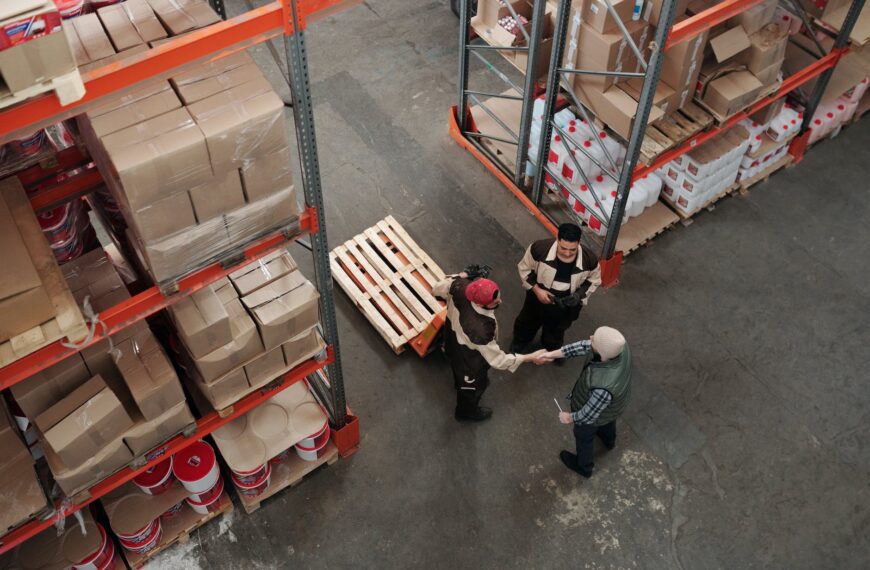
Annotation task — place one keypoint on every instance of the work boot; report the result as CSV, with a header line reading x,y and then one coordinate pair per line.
x,y
480,414
570,461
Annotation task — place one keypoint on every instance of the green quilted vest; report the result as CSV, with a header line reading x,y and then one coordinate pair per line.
x,y
613,376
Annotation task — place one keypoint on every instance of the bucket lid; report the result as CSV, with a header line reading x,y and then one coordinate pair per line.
x,y
154,475
194,462
250,472
81,548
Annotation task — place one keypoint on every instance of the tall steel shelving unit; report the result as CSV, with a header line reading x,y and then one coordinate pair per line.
x,y
282,17
529,190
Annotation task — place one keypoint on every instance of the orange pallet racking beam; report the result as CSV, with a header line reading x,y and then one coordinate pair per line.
x,y
697,24
204,426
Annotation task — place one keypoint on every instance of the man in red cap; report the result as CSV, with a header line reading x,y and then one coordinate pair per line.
x,y
471,341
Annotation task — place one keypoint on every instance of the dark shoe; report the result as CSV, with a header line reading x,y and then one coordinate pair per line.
x,y
570,461
480,414
609,445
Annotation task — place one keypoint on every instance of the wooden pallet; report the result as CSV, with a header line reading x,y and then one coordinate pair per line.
x,y
68,88
288,473
68,322
673,130
762,176
638,231
390,278
177,530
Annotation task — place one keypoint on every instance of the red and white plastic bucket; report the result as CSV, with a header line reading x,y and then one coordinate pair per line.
x,y
318,439
248,477
311,453
280,457
30,145
157,479
148,543
209,506
196,467
69,8
257,487
173,510
97,4
100,559
139,536
211,493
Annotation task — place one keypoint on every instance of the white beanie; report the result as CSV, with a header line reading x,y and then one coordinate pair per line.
x,y
608,342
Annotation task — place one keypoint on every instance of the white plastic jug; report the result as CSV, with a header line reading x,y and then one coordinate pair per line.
x,y
564,117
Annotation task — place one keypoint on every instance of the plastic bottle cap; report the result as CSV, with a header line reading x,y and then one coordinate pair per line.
x,y
587,143
758,137
583,188
572,123
784,127
830,115
794,121
599,178
602,134
818,122
557,138
613,194
840,107
571,129
754,124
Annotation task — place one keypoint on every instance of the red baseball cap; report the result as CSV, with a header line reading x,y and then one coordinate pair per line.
x,y
482,291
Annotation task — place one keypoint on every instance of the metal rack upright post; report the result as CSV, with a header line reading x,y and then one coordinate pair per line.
x,y
282,17
530,192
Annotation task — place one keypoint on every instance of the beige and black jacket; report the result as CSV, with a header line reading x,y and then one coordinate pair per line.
x,y
538,267
472,333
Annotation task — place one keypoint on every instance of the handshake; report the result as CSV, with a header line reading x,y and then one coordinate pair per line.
x,y
542,356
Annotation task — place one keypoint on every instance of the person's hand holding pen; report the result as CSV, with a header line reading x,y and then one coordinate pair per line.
x,y
564,417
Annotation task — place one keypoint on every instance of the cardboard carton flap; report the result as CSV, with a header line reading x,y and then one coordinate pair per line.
x,y
274,290
730,43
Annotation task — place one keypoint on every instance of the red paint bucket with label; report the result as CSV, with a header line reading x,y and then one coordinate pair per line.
x,y
69,8
172,511
280,457
311,453
156,479
257,487
316,440
211,505
211,493
30,145
148,543
196,467
248,477
102,557
138,537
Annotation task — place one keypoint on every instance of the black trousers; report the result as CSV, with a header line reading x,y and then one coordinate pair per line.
x,y
552,320
470,387
584,436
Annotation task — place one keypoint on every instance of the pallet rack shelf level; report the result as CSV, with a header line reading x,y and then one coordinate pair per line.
x,y
145,304
204,426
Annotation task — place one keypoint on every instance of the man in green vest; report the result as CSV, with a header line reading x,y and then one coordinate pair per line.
x,y
599,396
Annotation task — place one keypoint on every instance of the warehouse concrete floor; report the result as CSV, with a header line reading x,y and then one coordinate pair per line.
x,y
747,443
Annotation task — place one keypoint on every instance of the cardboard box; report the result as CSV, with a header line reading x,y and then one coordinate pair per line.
x,y
255,219
681,66
601,20
158,157
263,174
221,195
119,27
730,43
246,344
616,108
835,13
33,45
100,361
769,75
24,302
609,51
210,69
665,97
57,550
93,37
185,251
302,347
146,435
179,16
283,308
228,388
134,112
265,367
82,423
75,44
192,90
39,392
106,461
764,116
149,375
767,47
262,271
144,20
22,495
240,123
730,93
163,217
756,17
652,10
126,54
202,322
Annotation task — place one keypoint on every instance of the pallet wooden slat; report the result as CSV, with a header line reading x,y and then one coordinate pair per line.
x,y
68,88
405,251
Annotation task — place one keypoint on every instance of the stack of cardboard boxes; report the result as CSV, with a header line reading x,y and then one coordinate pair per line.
x,y
198,165
243,332
99,409
22,495
743,61
486,23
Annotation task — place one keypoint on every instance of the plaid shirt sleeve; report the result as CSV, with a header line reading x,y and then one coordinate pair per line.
x,y
579,348
598,400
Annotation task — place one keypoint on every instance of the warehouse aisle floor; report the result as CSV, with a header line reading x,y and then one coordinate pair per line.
x,y
747,444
